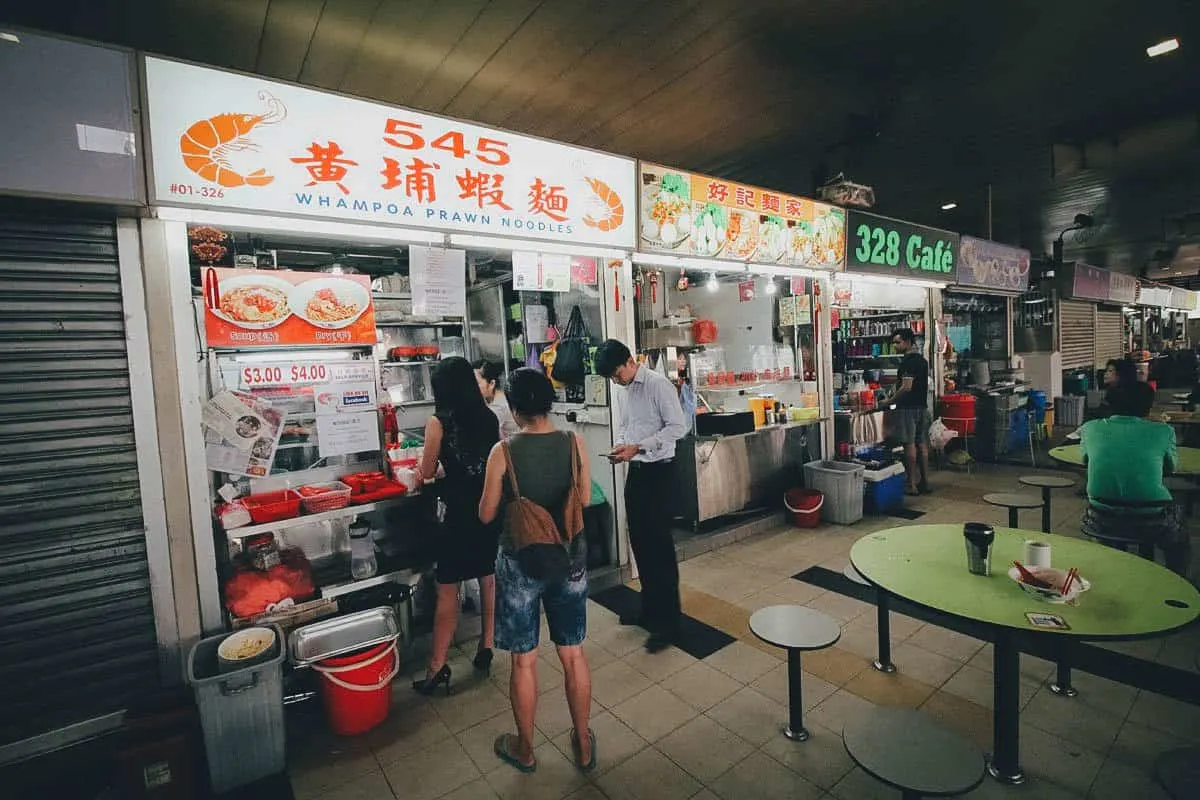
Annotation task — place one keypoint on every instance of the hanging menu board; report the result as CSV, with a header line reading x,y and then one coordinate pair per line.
x,y
1087,282
989,265
696,215
1122,289
885,246
439,281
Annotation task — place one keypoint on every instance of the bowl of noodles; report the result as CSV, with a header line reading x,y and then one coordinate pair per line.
x,y
255,302
330,303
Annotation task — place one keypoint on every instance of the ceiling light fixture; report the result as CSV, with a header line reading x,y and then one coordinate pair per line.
x,y
712,284
771,288
1163,47
949,206
10,37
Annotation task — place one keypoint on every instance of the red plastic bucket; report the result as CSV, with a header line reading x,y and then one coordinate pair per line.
x,y
357,688
805,507
958,413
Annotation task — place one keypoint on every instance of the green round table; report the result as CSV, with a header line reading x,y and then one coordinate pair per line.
x,y
1130,598
1189,458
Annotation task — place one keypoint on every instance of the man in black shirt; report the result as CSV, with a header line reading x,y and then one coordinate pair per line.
x,y
911,401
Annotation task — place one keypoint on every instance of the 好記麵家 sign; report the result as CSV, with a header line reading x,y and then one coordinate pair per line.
x,y
887,246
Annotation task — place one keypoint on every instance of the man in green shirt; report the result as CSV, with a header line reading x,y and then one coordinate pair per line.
x,y
1126,456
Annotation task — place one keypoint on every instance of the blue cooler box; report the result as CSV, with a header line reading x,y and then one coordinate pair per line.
x,y
883,489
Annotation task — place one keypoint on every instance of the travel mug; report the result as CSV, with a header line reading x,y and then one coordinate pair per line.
x,y
978,537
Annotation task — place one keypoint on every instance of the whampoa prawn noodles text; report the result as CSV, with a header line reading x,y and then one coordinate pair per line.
x,y
238,142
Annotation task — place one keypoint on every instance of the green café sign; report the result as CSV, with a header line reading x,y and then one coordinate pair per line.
x,y
885,246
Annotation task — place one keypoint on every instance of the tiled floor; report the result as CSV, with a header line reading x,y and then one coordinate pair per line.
x,y
669,726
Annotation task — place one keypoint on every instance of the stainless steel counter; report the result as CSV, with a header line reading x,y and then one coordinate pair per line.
x,y
725,474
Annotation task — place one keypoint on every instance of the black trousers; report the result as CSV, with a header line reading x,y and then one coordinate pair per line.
x,y
649,491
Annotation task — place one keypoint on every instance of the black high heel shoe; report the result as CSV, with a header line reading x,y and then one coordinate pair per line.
x,y
483,661
429,684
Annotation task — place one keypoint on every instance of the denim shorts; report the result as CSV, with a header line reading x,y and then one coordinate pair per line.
x,y
517,607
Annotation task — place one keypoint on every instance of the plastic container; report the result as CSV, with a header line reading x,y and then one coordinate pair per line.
x,y
362,552
804,506
357,688
333,495
272,506
241,714
958,413
883,489
1069,411
842,485
1039,400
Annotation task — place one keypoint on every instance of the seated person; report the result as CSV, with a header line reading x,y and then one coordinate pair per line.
x,y
1118,372
1126,457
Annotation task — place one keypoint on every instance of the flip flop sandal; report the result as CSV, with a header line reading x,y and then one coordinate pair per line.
x,y
591,765
503,751
911,492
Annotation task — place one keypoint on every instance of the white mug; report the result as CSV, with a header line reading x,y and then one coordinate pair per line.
x,y
1037,554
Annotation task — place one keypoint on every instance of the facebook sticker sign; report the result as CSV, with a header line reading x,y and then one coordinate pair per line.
x,y
238,142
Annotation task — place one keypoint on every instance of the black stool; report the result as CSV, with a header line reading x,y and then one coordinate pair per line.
x,y
883,624
1014,503
1046,483
796,629
908,751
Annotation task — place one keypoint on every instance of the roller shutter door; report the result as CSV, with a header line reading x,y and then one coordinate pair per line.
x,y
1110,335
77,635
1077,334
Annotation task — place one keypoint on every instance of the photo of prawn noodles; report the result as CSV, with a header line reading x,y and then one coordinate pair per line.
x,y
207,144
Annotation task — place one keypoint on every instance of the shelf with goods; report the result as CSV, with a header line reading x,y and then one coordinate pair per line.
x,y
324,516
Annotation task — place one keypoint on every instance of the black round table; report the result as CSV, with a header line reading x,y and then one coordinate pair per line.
x,y
907,751
1046,483
1014,503
796,629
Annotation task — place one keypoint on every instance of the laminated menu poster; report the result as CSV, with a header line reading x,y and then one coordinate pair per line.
x,y
439,281
542,272
250,308
347,417
242,434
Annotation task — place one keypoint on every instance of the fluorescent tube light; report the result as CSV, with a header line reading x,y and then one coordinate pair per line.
x,y
1163,47
501,243
949,206
312,227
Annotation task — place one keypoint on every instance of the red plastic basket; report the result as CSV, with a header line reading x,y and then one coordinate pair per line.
x,y
335,495
272,506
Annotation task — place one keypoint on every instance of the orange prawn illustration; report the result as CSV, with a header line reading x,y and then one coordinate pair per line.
x,y
208,143
616,208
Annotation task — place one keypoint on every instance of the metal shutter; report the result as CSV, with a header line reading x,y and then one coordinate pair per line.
x,y
1077,334
1110,335
77,635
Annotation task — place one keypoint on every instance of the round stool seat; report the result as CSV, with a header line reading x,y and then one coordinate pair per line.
x,y
1047,481
852,574
795,627
1013,500
908,751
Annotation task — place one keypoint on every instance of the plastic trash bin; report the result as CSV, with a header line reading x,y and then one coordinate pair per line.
x,y
241,714
842,485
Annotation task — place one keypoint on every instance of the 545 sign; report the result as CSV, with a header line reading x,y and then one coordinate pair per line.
x,y
881,245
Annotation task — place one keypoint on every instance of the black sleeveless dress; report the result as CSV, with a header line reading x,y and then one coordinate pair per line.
x,y
466,547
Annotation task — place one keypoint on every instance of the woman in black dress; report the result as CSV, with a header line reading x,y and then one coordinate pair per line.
x,y
460,435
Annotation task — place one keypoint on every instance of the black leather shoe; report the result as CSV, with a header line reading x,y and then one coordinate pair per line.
x,y
658,642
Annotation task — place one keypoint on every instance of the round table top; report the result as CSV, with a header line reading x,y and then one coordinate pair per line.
x,y
795,627
1047,481
1130,597
1189,458
851,573
1013,500
906,750
1182,395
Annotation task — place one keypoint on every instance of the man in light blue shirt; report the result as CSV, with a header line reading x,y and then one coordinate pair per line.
x,y
651,422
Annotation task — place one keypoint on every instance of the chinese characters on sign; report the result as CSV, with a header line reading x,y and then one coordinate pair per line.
x,y
241,142
990,265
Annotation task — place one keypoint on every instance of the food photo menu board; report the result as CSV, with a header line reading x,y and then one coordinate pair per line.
x,y
695,215
279,308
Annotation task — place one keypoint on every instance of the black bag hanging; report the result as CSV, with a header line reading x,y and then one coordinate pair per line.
x,y
571,355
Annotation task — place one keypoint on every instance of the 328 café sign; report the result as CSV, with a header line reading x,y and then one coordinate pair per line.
x,y
885,246
231,141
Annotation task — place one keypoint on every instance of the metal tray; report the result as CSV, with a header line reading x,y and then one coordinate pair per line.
x,y
340,635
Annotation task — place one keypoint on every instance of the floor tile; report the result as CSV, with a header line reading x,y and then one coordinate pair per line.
x,y
654,713
615,683
555,778
861,640
1072,720
822,759
477,740
432,772
554,715
742,662
1120,781
841,708
588,792
321,769
620,640
970,719
1035,787
704,748
615,742
1139,746
858,785
475,790
924,666
835,665
371,786
1058,760
470,704
1034,668
701,686
648,776
774,685
751,715
1167,715
896,689
840,607
658,666
979,687
596,655
946,642
760,776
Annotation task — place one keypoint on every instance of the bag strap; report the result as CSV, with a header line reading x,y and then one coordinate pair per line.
x,y
575,328
576,469
509,471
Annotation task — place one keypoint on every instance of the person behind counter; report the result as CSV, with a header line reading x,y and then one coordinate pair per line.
x,y
912,410
460,435
651,422
541,460
488,375
1126,457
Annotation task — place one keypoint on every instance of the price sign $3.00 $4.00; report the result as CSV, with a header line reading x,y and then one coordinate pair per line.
x,y
261,375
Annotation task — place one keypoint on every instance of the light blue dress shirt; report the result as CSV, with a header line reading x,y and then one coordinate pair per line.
x,y
651,417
